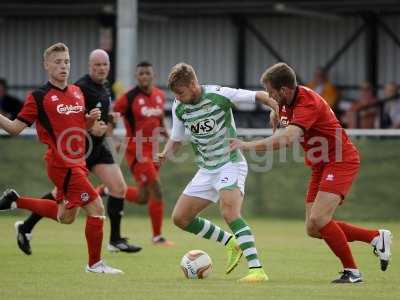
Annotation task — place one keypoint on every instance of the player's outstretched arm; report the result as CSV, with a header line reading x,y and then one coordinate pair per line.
x,y
171,147
264,98
281,139
12,127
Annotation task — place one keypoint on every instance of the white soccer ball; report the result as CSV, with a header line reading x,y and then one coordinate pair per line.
x,y
196,264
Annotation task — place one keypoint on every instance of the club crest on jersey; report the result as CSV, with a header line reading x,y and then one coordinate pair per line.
x,y
202,127
54,98
69,109
141,101
158,99
330,177
76,94
85,197
207,107
284,121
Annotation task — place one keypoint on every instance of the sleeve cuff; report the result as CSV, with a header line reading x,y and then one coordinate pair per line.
x,y
29,124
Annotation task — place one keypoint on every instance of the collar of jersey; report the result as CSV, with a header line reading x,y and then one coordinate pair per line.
x,y
56,87
296,93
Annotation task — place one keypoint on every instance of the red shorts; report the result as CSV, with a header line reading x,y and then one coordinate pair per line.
x,y
334,177
143,169
145,172
73,186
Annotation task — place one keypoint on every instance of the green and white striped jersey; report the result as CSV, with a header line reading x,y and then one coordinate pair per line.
x,y
209,122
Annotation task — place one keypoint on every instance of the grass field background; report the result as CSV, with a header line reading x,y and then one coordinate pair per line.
x,y
278,192
298,267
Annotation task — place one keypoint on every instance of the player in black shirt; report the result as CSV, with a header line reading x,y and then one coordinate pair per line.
x,y
99,157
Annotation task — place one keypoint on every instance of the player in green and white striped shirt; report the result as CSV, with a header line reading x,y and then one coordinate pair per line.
x,y
206,113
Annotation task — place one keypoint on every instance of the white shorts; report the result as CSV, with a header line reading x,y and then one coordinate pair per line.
x,y
206,184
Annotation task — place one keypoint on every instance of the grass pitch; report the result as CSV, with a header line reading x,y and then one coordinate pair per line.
x,y
298,267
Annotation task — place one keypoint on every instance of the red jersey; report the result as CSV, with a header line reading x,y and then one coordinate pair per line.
x,y
60,123
143,114
324,138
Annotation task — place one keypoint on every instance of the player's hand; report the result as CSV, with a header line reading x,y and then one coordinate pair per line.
x,y
161,158
94,114
237,144
274,106
273,120
99,128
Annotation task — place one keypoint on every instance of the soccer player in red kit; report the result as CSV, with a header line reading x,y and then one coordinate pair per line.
x,y
59,112
334,162
143,111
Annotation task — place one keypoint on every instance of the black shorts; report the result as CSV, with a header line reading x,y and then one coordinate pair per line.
x,y
100,154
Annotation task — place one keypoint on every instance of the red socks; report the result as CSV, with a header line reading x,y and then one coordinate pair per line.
x,y
355,233
156,212
42,207
132,194
337,242
155,208
94,238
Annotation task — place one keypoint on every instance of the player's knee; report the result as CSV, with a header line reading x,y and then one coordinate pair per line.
x,y
117,189
67,219
179,220
312,231
144,195
229,212
317,222
156,190
95,208
142,199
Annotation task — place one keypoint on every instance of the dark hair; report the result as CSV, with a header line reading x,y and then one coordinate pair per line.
x,y
3,82
144,64
279,75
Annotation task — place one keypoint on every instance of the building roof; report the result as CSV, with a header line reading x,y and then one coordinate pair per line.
x,y
310,8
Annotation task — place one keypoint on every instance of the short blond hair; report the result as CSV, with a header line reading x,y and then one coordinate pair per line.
x,y
181,74
58,47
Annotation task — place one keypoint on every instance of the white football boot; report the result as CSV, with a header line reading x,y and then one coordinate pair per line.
x,y
382,247
101,267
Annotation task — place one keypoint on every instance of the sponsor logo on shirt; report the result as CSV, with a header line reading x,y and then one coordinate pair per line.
x,y
150,111
158,99
202,127
65,109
